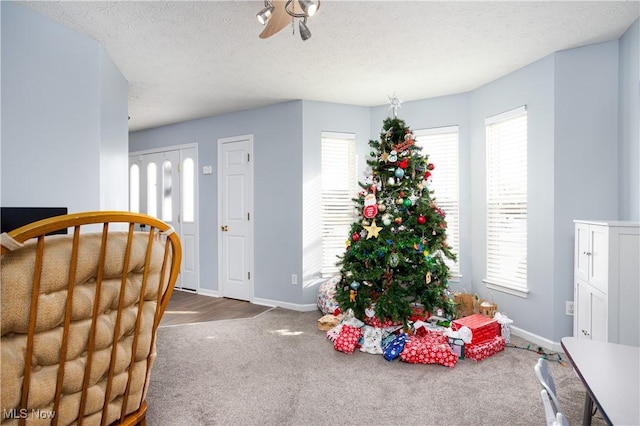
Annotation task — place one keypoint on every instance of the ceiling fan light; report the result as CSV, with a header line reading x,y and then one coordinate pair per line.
x,y
309,7
305,34
264,15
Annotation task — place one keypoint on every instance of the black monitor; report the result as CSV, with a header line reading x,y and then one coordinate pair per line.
x,y
15,217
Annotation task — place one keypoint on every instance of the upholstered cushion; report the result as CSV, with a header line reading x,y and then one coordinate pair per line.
x,y
17,272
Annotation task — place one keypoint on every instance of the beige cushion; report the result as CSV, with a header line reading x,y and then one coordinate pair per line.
x,y
17,271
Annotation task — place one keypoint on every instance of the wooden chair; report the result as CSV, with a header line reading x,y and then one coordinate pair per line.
x,y
79,316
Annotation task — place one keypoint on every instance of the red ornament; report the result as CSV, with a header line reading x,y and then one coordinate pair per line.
x,y
403,164
355,236
401,194
422,220
427,174
430,166
398,220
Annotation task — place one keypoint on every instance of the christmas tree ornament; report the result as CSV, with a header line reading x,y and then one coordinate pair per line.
x,y
365,223
422,220
401,194
430,166
384,157
398,220
386,220
393,157
394,260
407,202
355,285
373,230
391,181
381,206
399,172
355,237
427,277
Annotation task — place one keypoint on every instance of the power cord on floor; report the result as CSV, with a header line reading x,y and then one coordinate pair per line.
x,y
549,356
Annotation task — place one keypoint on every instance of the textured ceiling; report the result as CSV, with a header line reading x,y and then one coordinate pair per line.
x,y
187,60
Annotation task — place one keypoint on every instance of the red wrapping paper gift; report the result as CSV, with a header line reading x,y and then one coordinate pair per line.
x,y
432,348
483,328
483,350
348,338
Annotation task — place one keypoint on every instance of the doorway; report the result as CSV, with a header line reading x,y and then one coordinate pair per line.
x,y
163,184
235,221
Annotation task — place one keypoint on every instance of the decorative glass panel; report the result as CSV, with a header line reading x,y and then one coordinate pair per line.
x,y
188,190
167,187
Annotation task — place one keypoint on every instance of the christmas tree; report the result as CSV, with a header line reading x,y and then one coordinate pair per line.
x,y
395,258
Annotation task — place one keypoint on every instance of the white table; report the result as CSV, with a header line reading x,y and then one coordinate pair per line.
x,y
611,375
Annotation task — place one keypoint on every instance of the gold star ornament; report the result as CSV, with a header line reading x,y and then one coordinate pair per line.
x,y
372,230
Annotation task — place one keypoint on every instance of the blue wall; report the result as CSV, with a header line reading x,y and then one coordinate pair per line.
x,y
64,105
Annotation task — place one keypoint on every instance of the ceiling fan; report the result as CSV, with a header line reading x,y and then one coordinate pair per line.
x,y
277,14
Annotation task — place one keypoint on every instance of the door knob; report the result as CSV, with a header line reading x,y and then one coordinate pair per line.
x,y
224,228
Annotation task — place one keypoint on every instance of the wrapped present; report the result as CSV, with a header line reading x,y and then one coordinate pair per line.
x,y
348,338
394,348
482,328
325,298
430,349
371,340
333,333
327,322
483,350
418,313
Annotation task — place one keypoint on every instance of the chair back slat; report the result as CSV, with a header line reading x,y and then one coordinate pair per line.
x,y
67,321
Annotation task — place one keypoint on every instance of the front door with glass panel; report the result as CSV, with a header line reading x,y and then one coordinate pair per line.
x,y
162,184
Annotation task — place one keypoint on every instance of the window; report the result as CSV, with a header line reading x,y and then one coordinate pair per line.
x,y
338,190
507,202
134,188
441,146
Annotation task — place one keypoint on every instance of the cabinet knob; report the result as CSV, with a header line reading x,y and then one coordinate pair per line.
x,y
585,332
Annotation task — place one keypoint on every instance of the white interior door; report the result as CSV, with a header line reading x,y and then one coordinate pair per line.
x,y
235,205
164,186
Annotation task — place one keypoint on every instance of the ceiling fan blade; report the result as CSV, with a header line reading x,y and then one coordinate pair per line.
x,y
279,19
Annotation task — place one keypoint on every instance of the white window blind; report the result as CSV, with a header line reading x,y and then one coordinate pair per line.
x,y
441,145
506,137
339,187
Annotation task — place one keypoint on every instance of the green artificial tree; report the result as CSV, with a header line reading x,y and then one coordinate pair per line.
x,y
395,257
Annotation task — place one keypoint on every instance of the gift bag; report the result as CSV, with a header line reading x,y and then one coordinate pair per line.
x,y
466,304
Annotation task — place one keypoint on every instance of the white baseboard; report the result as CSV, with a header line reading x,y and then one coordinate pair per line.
x,y
286,305
207,292
538,340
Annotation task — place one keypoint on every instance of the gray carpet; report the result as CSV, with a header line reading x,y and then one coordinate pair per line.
x,y
279,369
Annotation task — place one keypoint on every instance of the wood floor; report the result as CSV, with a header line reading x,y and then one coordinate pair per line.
x,y
187,308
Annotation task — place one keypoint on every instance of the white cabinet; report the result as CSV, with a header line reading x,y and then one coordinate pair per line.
x,y
607,281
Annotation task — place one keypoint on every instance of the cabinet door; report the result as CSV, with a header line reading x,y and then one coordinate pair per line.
x,y
598,316
582,313
599,257
582,248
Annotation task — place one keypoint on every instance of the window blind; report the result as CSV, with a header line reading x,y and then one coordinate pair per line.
x,y
441,146
339,187
506,138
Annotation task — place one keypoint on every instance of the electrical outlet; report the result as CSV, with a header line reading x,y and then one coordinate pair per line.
x,y
569,307
294,279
